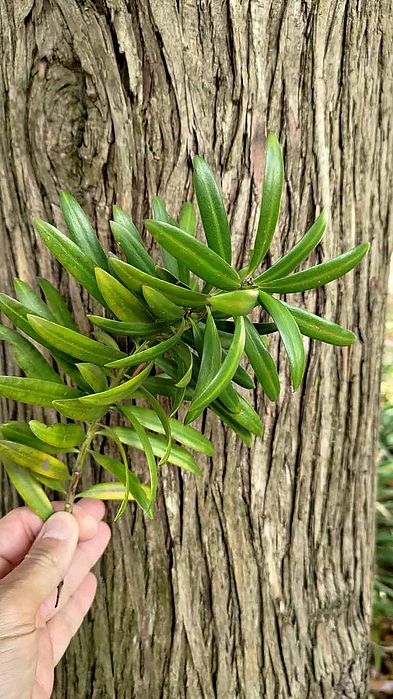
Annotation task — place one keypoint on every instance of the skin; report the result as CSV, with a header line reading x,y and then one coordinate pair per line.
x,y
34,558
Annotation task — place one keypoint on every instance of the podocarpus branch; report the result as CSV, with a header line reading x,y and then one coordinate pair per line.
x,y
188,329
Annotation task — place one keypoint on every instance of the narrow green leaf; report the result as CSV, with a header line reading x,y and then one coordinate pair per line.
x,y
178,294
145,444
29,490
52,483
270,205
262,362
121,327
187,219
212,210
70,369
161,306
35,460
147,355
20,432
235,303
94,375
160,214
35,391
209,349
224,375
226,329
28,357
106,339
120,216
120,300
187,358
231,420
57,305
299,252
319,275
137,490
163,420
178,457
186,435
117,393
75,344
63,435
109,491
76,410
18,315
70,256
289,333
29,299
134,250
198,257
81,231
320,328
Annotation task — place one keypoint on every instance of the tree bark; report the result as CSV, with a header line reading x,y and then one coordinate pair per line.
x,y
255,579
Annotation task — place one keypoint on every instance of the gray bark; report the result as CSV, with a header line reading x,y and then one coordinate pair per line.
x,y
254,580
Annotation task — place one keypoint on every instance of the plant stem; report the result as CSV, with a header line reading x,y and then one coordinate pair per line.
x,y
79,463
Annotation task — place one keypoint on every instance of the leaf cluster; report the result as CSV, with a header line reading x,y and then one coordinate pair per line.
x,y
188,329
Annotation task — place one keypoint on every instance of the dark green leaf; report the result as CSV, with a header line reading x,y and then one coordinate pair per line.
x,y
28,357
150,353
29,299
161,306
120,327
187,219
212,210
134,250
57,305
81,231
198,257
289,333
262,362
35,391
319,275
270,205
320,328
20,432
299,252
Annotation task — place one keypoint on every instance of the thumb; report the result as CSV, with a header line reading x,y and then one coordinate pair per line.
x,y
46,563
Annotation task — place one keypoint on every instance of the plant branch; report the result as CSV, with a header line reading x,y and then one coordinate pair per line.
x,y
79,463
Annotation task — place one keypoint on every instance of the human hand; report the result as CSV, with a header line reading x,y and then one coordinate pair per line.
x,y
34,559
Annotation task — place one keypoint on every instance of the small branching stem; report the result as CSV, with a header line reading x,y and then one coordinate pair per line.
x,y
79,463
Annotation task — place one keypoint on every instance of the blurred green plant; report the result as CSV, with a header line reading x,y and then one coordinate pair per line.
x,y
183,343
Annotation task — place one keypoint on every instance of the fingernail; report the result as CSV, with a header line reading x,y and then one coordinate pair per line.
x,y
60,525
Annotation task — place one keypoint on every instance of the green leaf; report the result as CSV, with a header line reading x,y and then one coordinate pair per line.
x,y
270,205
184,434
134,250
81,231
121,327
317,276
178,294
212,210
35,460
63,435
94,375
120,300
29,299
249,418
143,440
187,358
209,349
117,393
289,333
20,432
109,491
226,329
147,355
74,343
231,420
198,257
163,419
138,491
187,219
224,375
18,315
52,483
35,391
57,305
29,490
160,214
235,303
76,410
70,256
178,457
299,252
161,306
70,369
320,328
262,362
28,357
106,339
120,216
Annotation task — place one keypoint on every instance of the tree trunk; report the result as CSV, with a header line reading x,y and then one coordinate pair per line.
x,y
255,579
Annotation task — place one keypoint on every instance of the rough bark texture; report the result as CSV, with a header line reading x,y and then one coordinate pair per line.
x,y
253,581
